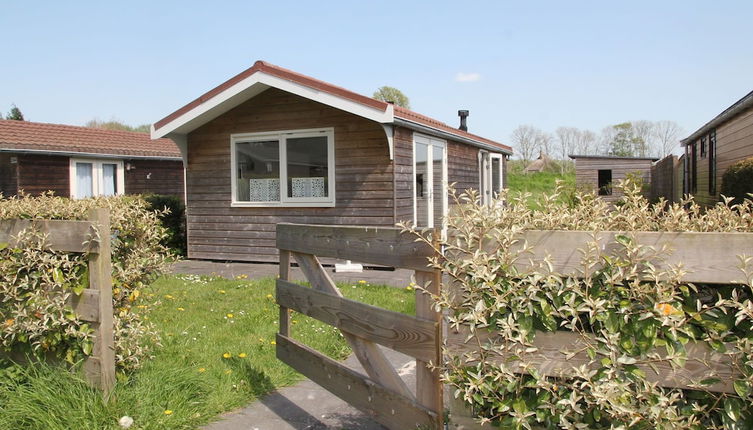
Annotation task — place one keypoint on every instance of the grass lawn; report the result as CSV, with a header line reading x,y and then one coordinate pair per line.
x,y
538,184
218,354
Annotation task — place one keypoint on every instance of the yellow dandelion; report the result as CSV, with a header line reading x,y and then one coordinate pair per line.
x,y
229,315
228,371
141,306
226,355
242,355
409,288
221,291
261,340
361,281
273,343
168,296
269,296
168,412
202,370
181,309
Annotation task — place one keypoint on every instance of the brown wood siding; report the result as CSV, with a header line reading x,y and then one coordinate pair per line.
x,y
462,166
154,177
363,178
8,175
663,177
587,172
403,147
734,142
40,173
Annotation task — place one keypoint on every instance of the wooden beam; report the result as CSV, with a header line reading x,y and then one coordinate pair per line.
x,y
62,235
429,390
284,276
100,367
368,353
707,257
387,407
374,245
550,359
410,335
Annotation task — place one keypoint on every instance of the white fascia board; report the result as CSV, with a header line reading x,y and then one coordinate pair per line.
x,y
252,86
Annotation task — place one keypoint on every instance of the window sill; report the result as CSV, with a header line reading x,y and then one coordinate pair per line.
x,y
282,205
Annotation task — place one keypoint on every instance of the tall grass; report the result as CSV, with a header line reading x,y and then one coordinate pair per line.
x,y
217,354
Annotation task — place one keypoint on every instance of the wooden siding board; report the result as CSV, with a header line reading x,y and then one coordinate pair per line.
x,y
40,173
154,177
8,175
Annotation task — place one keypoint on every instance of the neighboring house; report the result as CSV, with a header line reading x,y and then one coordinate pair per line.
x,y
721,142
600,172
271,145
81,162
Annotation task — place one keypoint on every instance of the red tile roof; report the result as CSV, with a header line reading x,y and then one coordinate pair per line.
x,y
271,69
25,135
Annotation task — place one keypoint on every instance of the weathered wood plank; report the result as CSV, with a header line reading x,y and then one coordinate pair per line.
x,y
284,276
707,257
100,272
86,306
368,353
390,409
375,245
62,235
550,359
410,335
428,385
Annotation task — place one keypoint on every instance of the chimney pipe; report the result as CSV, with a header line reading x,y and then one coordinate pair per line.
x,y
463,114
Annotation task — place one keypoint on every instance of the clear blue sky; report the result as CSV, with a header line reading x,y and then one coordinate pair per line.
x,y
549,64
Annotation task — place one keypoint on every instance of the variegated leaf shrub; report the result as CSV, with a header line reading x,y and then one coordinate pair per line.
x,y
37,283
631,316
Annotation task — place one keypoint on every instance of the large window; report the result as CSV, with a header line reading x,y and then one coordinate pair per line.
x,y
284,168
91,178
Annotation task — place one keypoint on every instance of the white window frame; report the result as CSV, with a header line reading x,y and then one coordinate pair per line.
x,y
431,142
97,175
485,175
281,136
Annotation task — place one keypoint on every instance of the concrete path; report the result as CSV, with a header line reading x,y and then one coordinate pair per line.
x,y
305,405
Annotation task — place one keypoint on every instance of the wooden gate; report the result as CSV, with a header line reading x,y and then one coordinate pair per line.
x,y
382,394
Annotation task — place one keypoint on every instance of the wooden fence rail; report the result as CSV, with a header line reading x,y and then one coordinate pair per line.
x,y
94,305
382,392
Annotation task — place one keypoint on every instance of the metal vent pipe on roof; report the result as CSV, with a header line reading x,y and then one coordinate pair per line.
x,y
463,114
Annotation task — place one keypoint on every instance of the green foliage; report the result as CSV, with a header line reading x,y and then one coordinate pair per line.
x,y
117,125
36,283
625,143
14,114
172,213
534,187
737,181
392,94
627,315
188,375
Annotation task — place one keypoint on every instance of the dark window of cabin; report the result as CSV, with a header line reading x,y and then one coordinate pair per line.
x,y
703,147
712,162
693,168
605,182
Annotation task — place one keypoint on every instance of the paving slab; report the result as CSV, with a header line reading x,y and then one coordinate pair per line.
x,y
399,278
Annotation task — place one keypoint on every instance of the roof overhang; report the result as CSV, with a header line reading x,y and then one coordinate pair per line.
x,y
427,129
729,113
89,154
251,86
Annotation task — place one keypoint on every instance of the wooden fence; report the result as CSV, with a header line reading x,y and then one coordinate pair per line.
x,y
94,305
711,258
383,394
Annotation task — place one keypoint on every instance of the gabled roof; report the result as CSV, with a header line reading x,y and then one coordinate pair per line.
x,y
26,136
263,75
729,113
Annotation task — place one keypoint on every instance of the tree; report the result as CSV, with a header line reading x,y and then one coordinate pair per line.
x,y
624,142
586,143
14,114
667,133
523,139
543,141
645,131
116,125
391,94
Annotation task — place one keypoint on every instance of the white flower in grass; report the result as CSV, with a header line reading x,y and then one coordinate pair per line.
x,y
125,421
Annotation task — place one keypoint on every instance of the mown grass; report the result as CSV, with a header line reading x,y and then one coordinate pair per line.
x,y
538,184
217,354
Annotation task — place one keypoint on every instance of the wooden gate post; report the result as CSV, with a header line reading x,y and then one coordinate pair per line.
x,y
99,368
429,392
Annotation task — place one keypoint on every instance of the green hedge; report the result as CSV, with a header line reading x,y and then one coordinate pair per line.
x,y
172,213
737,181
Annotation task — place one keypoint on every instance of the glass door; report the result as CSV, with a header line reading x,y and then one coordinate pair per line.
x,y
430,182
491,176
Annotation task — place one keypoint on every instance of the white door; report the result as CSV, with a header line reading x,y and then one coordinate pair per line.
x,y
429,181
491,176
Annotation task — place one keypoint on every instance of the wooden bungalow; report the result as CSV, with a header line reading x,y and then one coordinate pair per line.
x,y
271,145
80,162
713,148
600,172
